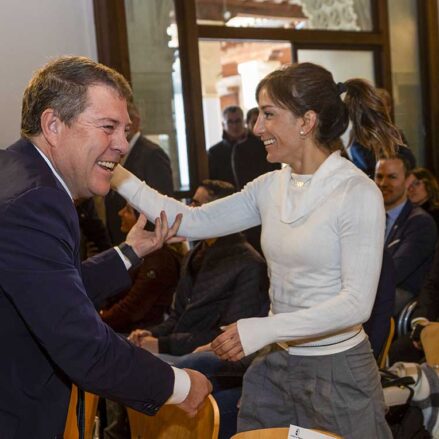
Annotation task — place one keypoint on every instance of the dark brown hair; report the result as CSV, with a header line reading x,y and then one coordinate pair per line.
x,y
62,85
218,188
305,86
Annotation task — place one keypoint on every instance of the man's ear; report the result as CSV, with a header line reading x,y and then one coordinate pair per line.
x,y
50,126
309,122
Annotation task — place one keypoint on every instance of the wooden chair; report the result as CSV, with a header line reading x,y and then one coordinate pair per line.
x,y
172,423
90,406
382,358
274,433
430,343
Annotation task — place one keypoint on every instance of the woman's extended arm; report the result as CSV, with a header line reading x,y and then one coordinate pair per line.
x,y
218,218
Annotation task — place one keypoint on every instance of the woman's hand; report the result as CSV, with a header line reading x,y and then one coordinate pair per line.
x,y
227,346
204,348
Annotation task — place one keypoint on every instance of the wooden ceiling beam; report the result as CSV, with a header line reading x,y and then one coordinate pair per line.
x,y
215,9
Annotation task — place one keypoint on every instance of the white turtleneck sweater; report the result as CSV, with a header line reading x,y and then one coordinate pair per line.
x,y
323,243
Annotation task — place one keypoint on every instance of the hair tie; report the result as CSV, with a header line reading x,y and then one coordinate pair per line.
x,y
341,88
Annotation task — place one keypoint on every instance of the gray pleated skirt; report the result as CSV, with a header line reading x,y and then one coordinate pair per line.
x,y
340,393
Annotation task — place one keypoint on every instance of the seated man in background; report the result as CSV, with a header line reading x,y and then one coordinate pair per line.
x,y
154,282
222,280
410,235
408,347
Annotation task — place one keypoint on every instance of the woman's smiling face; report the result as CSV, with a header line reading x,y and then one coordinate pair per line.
x,y
279,129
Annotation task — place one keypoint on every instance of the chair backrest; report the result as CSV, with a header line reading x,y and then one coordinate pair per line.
x,y
90,409
382,358
274,433
172,423
404,317
430,343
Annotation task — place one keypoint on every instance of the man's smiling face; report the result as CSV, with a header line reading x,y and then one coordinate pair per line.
x,y
89,147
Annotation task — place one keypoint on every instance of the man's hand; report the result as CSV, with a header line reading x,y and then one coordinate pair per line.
x,y
200,389
227,345
144,242
143,339
150,344
136,336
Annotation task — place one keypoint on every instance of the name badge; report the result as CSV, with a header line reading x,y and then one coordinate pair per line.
x,y
296,432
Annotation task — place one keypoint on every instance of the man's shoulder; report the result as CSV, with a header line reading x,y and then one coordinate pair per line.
x,y
26,171
147,146
418,214
415,220
217,147
146,153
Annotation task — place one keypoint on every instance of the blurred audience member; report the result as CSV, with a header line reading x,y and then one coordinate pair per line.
x,y
150,295
251,118
147,161
240,156
423,191
410,234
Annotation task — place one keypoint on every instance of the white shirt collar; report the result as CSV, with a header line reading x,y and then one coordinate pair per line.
x,y
49,163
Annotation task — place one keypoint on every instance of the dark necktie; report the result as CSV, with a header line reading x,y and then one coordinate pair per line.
x,y
386,234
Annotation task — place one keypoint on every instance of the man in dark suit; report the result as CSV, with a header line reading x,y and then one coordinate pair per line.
x,y
74,120
411,233
147,161
222,280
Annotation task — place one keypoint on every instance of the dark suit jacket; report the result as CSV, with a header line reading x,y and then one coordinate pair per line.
x,y
428,300
411,244
231,284
50,332
151,164
378,325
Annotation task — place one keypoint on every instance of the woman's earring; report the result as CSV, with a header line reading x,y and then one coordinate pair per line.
x,y
302,133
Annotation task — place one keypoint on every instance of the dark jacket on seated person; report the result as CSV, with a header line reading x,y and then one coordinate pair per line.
x,y
219,284
150,296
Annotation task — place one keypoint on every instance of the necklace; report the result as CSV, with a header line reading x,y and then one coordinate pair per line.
x,y
300,180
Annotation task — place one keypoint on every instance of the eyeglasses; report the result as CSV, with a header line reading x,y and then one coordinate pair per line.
x,y
415,183
234,122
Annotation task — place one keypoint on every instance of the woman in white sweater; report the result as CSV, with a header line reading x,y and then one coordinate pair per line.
x,y
322,236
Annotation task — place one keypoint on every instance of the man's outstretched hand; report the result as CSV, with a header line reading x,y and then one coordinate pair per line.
x,y
144,242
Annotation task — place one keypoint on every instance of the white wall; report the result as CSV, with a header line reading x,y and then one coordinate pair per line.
x,y
31,33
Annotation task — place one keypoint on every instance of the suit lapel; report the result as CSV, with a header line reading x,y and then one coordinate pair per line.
x,y
394,235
